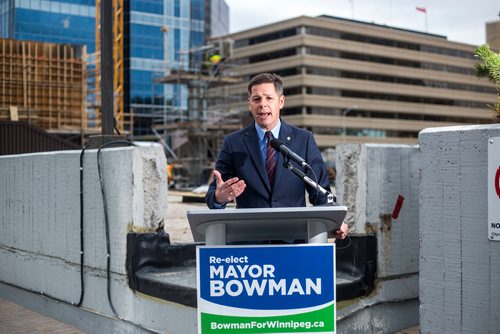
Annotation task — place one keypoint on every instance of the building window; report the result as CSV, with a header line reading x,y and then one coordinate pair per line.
x,y
266,37
272,55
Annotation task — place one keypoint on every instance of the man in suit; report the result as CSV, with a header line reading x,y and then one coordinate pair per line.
x,y
240,170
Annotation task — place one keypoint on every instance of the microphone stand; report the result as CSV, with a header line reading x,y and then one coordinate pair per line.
x,y
309,181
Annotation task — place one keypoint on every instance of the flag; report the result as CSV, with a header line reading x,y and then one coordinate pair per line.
x,y
422,9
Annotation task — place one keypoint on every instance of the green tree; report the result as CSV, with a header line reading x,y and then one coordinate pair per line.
x,y
489,67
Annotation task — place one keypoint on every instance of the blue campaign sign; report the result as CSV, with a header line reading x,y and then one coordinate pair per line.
x,y
273,277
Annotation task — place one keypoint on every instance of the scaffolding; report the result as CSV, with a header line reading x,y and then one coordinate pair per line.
x,y
197,140
44,85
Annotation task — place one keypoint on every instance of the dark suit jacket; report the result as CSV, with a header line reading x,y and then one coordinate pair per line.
x,y
240,156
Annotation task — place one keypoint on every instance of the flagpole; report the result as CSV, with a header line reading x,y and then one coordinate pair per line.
x,y
390,13
426,30
423,10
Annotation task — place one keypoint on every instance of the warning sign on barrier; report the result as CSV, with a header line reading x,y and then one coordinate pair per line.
x,y
494,188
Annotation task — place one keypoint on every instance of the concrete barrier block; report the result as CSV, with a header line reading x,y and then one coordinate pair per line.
x,y
457,261
371,178
40,228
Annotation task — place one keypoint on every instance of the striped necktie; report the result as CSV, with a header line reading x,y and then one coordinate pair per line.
x,y
270,159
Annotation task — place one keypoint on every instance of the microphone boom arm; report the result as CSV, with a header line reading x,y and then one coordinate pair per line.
x,y
309,181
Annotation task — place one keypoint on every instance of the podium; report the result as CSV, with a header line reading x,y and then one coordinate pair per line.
x,y
312,224
263,288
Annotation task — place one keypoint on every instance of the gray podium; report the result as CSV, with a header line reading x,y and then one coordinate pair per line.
x,y
218,227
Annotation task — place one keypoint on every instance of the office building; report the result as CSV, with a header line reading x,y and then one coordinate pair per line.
x,y
357,82
163,35
158,35
64,22
493,35
217,18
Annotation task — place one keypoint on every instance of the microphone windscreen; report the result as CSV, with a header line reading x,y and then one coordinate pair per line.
x,y
276,143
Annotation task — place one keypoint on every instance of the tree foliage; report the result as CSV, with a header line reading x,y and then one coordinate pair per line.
x,y
489,67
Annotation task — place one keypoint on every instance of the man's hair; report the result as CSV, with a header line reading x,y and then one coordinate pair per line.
x,y
266,78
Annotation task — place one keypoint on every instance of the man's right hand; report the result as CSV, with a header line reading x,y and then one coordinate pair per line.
x,y
227,191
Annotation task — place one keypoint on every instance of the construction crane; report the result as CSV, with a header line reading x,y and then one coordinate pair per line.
x,y
118,62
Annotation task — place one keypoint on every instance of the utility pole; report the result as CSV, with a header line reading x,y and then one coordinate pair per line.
x,y
107,75
107,110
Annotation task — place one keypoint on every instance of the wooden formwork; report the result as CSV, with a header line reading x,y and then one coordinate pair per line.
x,y
43,84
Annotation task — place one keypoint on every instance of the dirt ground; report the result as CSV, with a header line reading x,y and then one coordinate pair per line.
x,y
176,224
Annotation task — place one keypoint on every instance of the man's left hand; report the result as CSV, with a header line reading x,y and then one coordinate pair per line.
x,y
342,232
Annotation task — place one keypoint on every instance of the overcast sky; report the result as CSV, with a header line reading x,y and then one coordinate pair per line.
x,y
459,20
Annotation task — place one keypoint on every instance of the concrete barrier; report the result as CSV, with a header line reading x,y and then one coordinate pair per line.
x,y
459,266
370,180
40,236
455,276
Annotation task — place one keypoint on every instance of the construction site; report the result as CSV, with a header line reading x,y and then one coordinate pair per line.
x,y
193,145
57,88
43,84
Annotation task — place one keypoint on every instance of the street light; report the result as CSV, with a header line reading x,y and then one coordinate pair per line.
x,y
344,114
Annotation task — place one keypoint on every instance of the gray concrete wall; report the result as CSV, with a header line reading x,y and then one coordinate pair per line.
x,y
370,179
459,266
40,233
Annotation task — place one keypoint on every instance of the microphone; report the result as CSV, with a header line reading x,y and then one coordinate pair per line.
x,y
279,146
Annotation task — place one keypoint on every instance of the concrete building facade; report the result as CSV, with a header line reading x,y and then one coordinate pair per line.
x,y
356,82
493,35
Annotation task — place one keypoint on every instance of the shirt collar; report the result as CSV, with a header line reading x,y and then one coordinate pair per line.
x,y
261,132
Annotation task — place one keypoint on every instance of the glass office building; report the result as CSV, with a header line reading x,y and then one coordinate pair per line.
x,y
69,22
216,20
158,35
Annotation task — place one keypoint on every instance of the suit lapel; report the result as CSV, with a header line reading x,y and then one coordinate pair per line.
x,y
286,136
253,147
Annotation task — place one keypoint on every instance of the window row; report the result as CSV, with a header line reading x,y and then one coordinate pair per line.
x,y
330,53
390,115
326,91
400,80
335,34
68,7
148,6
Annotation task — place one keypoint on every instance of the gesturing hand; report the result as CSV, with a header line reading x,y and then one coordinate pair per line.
x,y
227,191
342,232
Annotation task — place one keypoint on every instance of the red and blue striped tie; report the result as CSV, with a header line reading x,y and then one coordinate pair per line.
x,y
271,159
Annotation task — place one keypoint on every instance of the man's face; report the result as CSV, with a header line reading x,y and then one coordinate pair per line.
x,y
265,105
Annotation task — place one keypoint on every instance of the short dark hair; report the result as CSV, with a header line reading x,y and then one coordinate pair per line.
x,y
266,78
